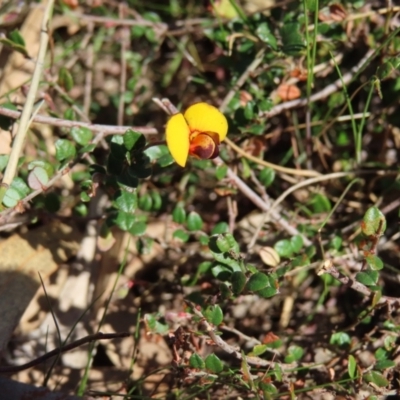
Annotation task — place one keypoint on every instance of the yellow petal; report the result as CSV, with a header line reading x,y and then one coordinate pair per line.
x,y
202,117
177,136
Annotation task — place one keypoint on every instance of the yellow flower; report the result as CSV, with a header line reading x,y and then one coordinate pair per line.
x,y
197,132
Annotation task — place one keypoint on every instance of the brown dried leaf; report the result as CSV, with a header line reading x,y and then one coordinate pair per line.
x,y
337,12
288,92
269,256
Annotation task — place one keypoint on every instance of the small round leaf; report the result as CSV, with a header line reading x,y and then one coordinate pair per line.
x,y
257,282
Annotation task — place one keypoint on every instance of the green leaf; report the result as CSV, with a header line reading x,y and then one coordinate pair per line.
x,y
389,342
138,228
249,110
65,79
377,378
85,197
277,371
268,292
195,361
181,235
133,140
296,242
124,220
374,222
340,339
3,161
194,221
6,122
224,290
294,354
81,135
300,261
386,69
44,164
228,259
126,201
16,42
367,278
268,388
126,179
165,160
384,364
336,242
258,350
214,364
11,197
238,281
214,314
69,114
65,150
221,272
179,214
154,153
20,185
257,282
267,176
283,248
311,5
265,35
17,38
145,202
157,200
221,171
223,243
140,170
155,326
320,203
374,262
233,244
221,227
38,178
352,367
292,39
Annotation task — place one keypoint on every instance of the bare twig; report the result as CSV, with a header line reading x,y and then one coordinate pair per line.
x,y
63,349
328,268
64,123
327,91
259,202
278,168
159,26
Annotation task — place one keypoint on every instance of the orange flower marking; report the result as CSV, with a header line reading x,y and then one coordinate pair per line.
x,y
198,132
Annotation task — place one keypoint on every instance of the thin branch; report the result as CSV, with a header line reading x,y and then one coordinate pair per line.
x,y
327,91
63,349
259,202
328,268
278,168
64,123
161,27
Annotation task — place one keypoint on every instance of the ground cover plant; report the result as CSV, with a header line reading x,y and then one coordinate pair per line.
x,y
200,200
